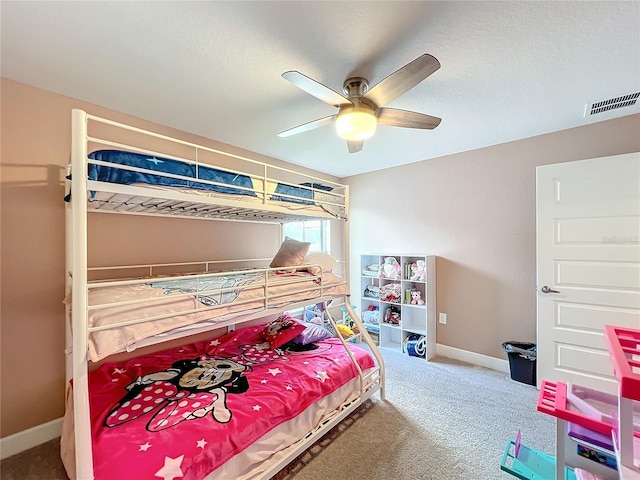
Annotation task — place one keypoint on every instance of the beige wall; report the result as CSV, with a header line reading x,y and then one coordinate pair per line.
x,y
36,135
476,211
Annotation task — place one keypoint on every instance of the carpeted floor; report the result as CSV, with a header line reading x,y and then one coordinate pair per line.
x,y
442,420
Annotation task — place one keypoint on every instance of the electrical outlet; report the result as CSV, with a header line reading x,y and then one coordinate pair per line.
x,y
443,318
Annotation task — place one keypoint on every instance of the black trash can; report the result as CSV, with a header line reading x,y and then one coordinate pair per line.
x,y
522,361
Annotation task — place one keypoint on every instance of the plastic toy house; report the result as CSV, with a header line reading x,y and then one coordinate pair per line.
x,y
597,434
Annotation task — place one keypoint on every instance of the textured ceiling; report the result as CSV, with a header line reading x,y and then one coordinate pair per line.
x,y
510,70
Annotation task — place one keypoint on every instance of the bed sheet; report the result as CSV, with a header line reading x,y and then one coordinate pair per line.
x,y
190,409
168,296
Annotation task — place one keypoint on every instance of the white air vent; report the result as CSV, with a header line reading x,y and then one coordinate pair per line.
x,y
611,104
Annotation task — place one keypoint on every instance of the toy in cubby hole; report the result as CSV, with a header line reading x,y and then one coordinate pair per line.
x,y
416,297
371,315
392,315
418,273
390,269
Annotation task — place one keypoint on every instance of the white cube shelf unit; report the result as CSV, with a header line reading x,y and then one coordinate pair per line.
x,y
389,289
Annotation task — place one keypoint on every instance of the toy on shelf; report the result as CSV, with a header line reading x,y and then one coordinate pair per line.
x,y
390,269
418,272
416,297
415,345
392,315
371,315
391,293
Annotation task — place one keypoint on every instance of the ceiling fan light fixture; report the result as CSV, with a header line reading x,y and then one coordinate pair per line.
x,y
356,123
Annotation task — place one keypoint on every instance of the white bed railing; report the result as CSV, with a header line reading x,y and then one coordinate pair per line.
x,y
257,203
299,284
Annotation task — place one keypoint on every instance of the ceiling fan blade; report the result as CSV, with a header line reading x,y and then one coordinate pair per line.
x,y
403,118
316,89
401,80
305,127
355,145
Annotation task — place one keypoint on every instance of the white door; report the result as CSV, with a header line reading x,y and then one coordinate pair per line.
x,y
588,262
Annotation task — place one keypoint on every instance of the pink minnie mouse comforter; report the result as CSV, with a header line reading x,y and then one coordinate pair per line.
x,y
184,412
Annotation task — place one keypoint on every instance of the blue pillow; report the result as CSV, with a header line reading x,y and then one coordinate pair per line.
x,y
300,193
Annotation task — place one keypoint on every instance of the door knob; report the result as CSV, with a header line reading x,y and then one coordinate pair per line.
x,y
546,289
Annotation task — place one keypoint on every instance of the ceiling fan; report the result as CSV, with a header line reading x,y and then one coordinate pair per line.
x,y
362,108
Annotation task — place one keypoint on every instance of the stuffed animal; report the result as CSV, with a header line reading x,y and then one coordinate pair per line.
x,y
390,269
344,330
416,298
418,273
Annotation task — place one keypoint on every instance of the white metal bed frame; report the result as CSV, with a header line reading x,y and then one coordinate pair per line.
x,y
134,199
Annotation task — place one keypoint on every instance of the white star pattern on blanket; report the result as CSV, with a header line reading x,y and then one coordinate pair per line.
x,y
149,399
171,468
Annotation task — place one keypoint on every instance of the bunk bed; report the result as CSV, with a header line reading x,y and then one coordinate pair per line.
x,y
200,410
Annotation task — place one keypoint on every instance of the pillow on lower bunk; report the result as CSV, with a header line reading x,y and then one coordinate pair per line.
x,y
326,262
282,330
291,253
312,333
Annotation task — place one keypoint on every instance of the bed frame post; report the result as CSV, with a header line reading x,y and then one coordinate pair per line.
x,y
347,258
78,231
68,257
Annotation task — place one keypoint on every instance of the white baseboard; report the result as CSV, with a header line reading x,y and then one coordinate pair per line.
x,y
29,438
474,358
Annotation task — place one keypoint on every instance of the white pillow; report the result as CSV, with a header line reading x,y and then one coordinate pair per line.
x,y
326,262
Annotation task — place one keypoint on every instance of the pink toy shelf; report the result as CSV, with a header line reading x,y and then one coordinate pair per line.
x,y
554,399
599,405
616,417
624,350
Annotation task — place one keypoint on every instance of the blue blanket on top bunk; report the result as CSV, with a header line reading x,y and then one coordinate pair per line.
x,y
104,173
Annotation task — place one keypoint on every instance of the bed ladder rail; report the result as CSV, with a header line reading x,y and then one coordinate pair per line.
x,y
366,338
